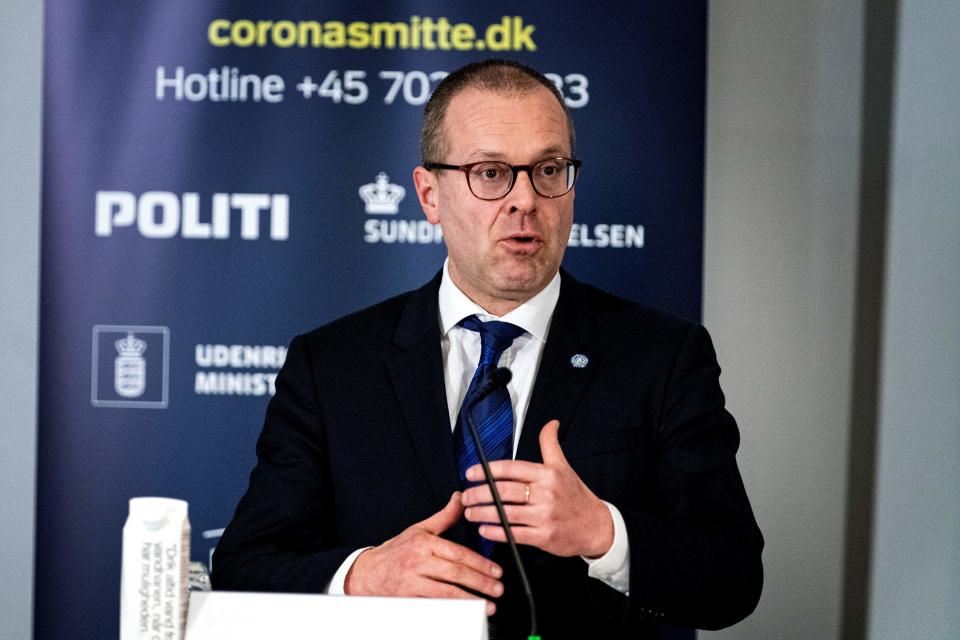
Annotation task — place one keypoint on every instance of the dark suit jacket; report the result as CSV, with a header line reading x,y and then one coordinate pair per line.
x,y
357,446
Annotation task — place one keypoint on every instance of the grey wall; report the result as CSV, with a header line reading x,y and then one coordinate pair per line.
x,y
915,576
783,131
20,74
832,288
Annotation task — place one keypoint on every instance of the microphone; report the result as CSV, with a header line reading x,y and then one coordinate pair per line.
x,y
496,380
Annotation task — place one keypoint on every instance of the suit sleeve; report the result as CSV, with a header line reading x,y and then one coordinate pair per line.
x,y
283,536
695,558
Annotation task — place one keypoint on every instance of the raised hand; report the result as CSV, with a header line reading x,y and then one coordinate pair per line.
x,y
547,505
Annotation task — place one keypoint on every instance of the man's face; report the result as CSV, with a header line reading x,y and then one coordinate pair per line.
x,y
502,252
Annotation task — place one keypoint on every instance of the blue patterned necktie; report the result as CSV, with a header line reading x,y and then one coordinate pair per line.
x,y
493,416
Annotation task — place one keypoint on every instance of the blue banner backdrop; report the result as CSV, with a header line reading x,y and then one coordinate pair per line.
x,y
221,176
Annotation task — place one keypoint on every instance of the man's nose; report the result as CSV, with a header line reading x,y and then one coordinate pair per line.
x,y
523,196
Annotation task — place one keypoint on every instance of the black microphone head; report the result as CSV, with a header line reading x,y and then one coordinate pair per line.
x,y
499,377
496,379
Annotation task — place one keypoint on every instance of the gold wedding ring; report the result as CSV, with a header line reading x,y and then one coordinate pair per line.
x,y
526,497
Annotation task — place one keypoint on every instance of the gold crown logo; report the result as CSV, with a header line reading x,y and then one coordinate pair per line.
x,y
382,196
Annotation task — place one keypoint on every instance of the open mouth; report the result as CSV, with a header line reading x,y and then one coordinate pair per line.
x,y
522,244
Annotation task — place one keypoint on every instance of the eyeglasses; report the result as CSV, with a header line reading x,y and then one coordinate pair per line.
x,y
488,180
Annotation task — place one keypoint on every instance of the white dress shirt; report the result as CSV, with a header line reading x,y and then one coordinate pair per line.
x,y
461,353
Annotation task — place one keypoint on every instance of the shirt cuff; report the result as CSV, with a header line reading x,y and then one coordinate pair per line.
x,y
613,567
335,586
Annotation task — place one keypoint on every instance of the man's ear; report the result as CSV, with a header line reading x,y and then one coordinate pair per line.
x,y
425,182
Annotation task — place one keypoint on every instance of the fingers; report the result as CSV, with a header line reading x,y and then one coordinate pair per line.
x,y
458,554
454,567
521,535
515,492
550,445
403,565
461,575
521,470
445,518
517,470
429,588
516,514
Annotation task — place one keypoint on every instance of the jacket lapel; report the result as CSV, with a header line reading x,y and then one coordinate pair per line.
x,y
560,385
417,376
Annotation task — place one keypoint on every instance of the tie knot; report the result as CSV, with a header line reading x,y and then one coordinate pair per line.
x,y
494,337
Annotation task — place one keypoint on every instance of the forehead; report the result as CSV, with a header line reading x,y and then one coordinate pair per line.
x,y
519,127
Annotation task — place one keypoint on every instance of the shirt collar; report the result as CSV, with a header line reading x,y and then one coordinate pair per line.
x,y
533,316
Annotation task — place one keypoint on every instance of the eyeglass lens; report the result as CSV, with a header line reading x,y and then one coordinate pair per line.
x,y
491,180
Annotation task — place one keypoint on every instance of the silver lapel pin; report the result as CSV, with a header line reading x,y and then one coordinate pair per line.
x,y
579,361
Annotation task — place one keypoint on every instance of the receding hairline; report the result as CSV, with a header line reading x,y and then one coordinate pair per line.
x,y
447,133
496,76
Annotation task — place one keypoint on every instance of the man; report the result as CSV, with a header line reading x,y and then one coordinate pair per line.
x,y
624,493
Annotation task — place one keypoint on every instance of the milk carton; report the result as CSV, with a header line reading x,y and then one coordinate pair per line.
x,y
153,581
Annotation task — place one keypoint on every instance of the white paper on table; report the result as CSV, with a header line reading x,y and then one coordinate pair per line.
x,y
222,615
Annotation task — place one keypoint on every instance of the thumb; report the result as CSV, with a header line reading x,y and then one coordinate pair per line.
x,y
445,518
550,445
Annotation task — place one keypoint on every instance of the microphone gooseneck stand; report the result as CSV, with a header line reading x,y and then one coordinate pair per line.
x,y
499,378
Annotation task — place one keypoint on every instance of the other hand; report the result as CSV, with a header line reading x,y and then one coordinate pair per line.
x,y
548,505
419,563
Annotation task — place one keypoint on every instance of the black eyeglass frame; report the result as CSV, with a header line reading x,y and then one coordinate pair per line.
x,y
515,168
